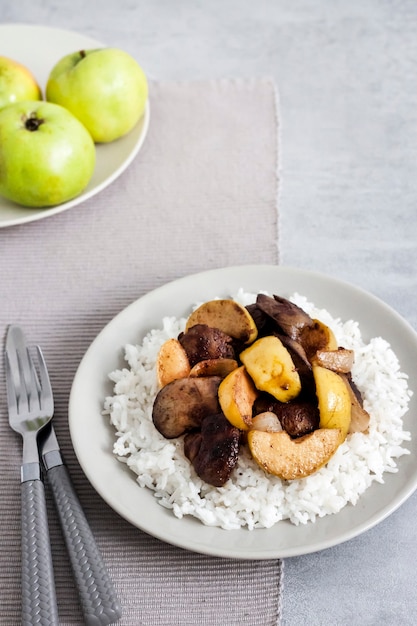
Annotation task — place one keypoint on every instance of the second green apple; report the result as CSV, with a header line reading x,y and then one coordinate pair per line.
x,y
105,88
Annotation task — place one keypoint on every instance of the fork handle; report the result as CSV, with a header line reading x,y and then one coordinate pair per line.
x,y
97,595
39,606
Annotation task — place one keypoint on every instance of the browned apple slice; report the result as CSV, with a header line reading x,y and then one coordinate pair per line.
x,y
227,315
214,367
317,337
290,459
237,393
172,362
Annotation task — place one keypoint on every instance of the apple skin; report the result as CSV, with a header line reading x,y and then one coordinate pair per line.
x,y
47,157
105,88
16,83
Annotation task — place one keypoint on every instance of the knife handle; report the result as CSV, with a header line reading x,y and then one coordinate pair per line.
x,y
98,598
39,606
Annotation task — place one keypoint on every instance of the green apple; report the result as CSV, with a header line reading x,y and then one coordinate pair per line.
x,y
17,83
46,155
105,88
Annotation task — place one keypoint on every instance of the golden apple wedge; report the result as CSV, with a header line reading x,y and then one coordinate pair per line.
x,y
237,393
271,368
333,399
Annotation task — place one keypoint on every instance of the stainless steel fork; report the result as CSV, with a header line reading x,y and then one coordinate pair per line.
x,y
30,409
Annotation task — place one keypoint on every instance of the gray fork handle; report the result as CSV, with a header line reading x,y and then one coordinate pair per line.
x,y
39,606
97,595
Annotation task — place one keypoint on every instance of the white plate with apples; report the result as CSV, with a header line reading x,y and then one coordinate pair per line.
x,y
39,48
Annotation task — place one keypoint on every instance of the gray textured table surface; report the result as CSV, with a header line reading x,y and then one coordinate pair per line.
x,y
348,105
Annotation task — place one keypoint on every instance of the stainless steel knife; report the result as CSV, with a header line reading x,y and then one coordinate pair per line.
x,y
98,598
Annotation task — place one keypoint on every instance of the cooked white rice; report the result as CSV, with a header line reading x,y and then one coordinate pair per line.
x,y
251,498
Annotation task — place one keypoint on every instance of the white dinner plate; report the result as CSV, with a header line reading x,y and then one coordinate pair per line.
x,y
39,48
93,436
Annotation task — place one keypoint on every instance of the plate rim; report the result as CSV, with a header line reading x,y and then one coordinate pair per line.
x,y
244,552
142,127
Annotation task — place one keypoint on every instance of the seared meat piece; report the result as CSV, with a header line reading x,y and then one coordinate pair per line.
x,y
354,388
301,363
298,418
214,450
264,403
263,322
202,342
296,351
192,443
360,418
290,318
181,405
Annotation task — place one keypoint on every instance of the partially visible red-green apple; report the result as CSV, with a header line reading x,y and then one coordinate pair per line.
x,y
47,157
105,88
17,83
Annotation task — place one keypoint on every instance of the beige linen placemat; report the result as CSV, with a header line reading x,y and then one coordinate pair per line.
x,y
201,194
